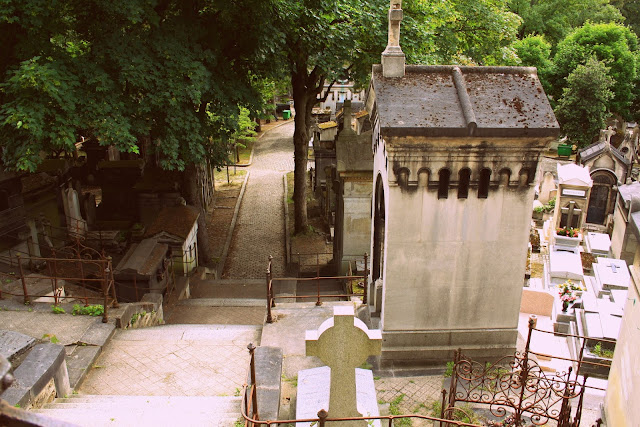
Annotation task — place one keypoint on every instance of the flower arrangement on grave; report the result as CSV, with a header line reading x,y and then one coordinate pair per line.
x,y
566,292
568,231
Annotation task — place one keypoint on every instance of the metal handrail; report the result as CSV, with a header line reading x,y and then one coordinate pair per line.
x,y
271,297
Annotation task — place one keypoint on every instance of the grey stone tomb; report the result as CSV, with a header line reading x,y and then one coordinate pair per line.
x,y
343,342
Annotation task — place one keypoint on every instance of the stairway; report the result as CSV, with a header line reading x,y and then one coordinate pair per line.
x,y
106,410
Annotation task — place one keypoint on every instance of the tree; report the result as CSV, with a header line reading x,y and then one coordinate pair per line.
x,y
328,39
555,19
534,51
612,44
319,41
583,108
170,71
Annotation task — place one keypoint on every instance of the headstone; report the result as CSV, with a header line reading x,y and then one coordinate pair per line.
x,y
75,223
343,342
89,201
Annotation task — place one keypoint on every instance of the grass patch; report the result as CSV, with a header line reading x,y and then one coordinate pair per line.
x,y
244,154
220,176
536,269
602,352
394,409
91,310
56,310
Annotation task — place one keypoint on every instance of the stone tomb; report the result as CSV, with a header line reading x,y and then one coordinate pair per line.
x,y
599,244
611,274
343,342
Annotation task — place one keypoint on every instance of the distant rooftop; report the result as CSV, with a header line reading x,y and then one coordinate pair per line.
x,y
463,101
327,125
600,147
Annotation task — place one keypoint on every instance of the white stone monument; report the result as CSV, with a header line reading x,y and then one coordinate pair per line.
x,y
343,342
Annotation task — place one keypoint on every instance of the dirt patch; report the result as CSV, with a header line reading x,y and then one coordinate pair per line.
x,y
220,215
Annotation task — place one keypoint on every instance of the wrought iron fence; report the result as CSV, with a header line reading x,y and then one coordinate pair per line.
x,y
76,263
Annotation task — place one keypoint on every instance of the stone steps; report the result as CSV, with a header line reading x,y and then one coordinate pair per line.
x,y
105,410
224,302
220,334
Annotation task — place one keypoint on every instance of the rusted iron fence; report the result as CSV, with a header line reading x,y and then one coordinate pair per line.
x,y
251,415
271,297
75,263
516,389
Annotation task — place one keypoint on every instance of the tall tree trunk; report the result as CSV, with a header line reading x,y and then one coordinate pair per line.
x,y
191,192
301,152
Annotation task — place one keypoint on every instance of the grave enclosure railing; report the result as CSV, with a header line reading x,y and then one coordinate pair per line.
x,y
250,409
76,263
271,297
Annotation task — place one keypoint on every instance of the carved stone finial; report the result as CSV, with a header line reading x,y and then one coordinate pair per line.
x,y
393,58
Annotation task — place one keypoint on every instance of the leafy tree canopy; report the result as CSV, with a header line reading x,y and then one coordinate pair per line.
x,y
555,19
583,108
535,51
614,45
122,70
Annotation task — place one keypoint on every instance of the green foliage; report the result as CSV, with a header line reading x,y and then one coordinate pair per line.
x,y
51,338
449,370
601,352
611,44
546,208
57,310
394,409
583,108
535,51
555,19
136,316
91,310
143,69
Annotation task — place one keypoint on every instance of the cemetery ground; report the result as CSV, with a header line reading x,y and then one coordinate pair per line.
x,y
202,352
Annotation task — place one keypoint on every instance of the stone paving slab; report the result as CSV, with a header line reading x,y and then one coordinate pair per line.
x,y
174,360
66,328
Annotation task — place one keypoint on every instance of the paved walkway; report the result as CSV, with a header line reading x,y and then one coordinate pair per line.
x,y
174,360
259,230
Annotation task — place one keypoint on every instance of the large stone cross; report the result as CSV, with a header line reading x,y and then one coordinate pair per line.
x,y
343,343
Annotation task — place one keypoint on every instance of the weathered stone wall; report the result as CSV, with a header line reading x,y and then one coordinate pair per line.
x,y
353,224
454,268
624,385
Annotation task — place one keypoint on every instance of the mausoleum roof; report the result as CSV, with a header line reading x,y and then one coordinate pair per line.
x,y
143,258
572,174
175,220
600,147
458,101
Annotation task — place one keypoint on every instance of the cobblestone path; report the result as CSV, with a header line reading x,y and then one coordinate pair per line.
x,y
259,230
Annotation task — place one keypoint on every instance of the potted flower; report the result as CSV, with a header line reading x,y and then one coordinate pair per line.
x,y
568,232
568,238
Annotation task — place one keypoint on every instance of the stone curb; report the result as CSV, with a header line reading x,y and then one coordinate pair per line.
x,y
227,243
287,238
244,165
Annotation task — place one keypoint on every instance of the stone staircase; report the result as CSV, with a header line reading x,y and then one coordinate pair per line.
x,y
106,410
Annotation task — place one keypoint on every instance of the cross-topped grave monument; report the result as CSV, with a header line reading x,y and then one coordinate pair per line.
x,y
343,342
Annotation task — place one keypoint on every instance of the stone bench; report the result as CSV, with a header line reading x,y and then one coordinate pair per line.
x,y
44,365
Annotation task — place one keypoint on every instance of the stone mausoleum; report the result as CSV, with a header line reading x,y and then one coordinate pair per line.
x,y
455,155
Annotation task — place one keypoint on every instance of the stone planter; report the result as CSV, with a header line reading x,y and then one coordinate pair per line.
x,y
567,243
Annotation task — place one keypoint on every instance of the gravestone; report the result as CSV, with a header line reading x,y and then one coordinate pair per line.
x,y
75,223
343,342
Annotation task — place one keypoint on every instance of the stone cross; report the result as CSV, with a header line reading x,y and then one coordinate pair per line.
x,y
607,134
343,343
